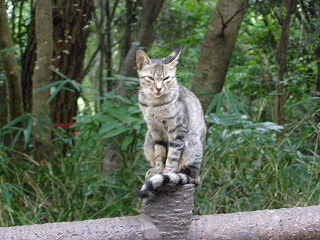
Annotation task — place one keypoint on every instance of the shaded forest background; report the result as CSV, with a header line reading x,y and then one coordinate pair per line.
x,y
71,131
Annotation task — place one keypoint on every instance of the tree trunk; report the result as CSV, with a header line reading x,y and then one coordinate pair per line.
x,y
110,15
131,18
170,211
264,13
169,216
149,14
282,60
71,20
4,110
217,49
102,48
70,33
10,64
317,54
3,103
42,71
311,12
27,65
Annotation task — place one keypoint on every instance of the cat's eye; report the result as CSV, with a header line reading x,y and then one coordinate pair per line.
x,y
150,78
166,78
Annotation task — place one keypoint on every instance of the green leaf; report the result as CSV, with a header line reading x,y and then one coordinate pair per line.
x,y
12,49
108,127
114,133
16,138
40,124
102,118
127,141
27,132
7,131
76,85
57,90
6,194
50,85
3,108
15,121
216,102
60,74
315,100
264,126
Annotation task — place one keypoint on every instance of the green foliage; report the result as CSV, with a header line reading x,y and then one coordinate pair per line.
x,y
19,13
61,85
250,162
218,104
65,191
119,115
252,166
182,23
76,187
22,126
253,72
248,165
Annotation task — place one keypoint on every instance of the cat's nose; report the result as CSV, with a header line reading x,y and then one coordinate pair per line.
x,y
158,87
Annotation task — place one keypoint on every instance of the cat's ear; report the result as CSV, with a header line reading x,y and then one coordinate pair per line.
x,y
142,59
173,58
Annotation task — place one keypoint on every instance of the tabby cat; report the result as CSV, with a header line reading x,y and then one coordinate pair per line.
x,y
176,126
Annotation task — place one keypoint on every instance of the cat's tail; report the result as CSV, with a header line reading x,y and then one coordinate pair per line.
x,y
167,179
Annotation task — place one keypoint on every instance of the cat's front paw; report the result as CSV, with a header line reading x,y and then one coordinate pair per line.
x,y
197,181
151,172
170,170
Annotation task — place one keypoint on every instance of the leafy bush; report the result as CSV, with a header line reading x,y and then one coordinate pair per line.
x,y
75,186
248,166
251,166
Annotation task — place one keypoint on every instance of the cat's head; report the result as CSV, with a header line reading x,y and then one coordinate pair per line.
x,y
157,76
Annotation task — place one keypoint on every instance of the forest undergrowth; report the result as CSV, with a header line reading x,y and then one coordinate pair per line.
x,y
248,165
251,163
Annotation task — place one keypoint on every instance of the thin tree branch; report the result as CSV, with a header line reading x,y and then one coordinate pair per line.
x,y
225,24
90,64
114,10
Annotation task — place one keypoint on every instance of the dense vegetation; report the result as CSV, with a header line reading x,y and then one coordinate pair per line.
x,y
251,162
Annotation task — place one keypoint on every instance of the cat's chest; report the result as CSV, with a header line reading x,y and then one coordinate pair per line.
x,y
160,113
163,117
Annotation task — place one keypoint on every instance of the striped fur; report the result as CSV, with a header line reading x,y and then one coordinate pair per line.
x,y
167,179
175,120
